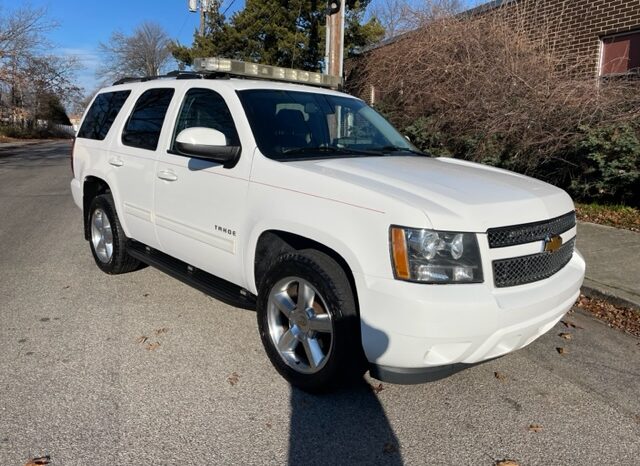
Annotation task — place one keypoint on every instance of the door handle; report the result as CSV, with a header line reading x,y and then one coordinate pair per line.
x,y
167,175
116,161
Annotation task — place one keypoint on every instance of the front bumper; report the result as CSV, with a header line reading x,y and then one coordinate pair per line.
x,y
410,328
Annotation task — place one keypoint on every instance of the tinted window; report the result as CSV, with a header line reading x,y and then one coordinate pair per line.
x,y
145,123
103,112
292,125
206,108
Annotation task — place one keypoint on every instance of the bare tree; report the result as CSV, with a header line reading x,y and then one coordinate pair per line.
x,y
400,16
144,53
29,75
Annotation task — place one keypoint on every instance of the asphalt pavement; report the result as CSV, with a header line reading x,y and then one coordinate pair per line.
x,y
141,369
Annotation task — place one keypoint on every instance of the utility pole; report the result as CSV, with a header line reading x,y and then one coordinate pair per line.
x,y
334,50
203,6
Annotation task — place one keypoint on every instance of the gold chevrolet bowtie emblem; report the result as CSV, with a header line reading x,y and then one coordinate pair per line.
x,y
552,243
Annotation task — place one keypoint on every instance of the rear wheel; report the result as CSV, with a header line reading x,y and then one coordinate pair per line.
x,y
107,239
308,321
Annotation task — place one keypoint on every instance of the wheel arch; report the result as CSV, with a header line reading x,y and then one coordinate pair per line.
x,y
91,187
270,243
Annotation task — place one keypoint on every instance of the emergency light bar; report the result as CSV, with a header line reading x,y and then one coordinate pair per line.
x,y
241,68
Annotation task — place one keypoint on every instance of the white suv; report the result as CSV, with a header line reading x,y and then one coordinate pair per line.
x,y
357,250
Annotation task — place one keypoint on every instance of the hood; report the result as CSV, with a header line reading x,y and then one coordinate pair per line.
x,y
454,194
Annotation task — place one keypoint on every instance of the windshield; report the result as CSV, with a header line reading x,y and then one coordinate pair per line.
x,y
292,125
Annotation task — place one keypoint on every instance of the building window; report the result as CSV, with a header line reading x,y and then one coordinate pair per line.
x,y
620,55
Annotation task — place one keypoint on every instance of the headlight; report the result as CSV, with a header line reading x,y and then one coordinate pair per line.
x,y
430,256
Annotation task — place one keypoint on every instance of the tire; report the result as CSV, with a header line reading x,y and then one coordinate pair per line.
x,y
320,348
107,239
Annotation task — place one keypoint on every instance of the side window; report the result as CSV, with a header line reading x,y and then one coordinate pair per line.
x,y
101,115
145,123
207,109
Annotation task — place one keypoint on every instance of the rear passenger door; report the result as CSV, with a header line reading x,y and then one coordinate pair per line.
x,y
134,156
199,204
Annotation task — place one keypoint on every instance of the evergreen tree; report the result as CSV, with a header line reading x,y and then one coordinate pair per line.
x,y
288,33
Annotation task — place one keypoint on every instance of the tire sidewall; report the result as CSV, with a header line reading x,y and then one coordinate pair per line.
x,y
336,293
105,203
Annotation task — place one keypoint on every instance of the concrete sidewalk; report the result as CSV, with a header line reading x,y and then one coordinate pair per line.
x,y
613,263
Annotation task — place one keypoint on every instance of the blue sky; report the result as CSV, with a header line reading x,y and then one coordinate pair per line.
x,y
83,25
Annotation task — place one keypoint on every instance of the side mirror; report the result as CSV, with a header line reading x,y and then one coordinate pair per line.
x,y
207,144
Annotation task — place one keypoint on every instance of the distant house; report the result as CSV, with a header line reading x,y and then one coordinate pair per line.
x,y
597,39
75,121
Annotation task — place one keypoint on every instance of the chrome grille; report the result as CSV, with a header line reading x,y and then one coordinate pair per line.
x,y
527,269
530,232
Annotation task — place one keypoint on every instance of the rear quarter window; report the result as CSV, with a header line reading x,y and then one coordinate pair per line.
x,y
101,114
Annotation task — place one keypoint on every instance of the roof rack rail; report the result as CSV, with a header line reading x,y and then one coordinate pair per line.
x,y
176,74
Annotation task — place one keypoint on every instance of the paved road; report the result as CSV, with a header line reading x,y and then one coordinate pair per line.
x,y
76,384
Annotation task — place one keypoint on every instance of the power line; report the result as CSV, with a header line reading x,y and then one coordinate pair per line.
x,y
227,8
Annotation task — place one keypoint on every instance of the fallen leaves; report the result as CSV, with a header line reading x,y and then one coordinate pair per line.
x,y
562,350
500,376
566,336
535,428
233,379
389,448
38,461
377,388
569,324
147,344
615,216
152,346
507,462
619,317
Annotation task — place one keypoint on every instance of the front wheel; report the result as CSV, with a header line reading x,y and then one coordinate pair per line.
x,y
308,321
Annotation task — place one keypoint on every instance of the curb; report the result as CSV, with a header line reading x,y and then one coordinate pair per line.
x,y
591,292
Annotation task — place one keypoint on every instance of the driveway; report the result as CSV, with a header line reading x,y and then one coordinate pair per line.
x,y
141,369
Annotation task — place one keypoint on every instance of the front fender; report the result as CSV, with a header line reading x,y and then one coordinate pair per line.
x,y
320,236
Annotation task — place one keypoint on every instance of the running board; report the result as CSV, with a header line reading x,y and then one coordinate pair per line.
x,y
211,285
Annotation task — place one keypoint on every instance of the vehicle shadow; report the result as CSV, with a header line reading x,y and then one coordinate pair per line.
x,y
347,427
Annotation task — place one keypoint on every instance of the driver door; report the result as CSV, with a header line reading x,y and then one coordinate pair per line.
x,y
198,203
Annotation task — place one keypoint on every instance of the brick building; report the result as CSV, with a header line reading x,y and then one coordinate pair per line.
x,y
594,37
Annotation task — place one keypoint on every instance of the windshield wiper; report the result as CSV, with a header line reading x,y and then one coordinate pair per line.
x,y
329,149
387,149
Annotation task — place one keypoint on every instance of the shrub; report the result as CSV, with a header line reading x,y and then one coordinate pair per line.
x,y
480,89
44,132
607,163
